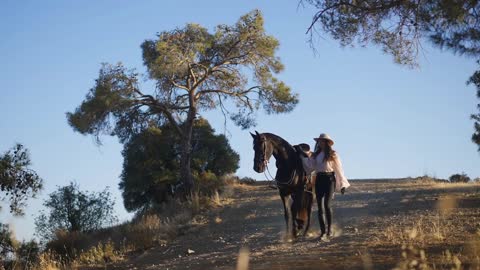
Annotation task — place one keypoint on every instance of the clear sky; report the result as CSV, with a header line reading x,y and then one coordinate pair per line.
x,y
387,120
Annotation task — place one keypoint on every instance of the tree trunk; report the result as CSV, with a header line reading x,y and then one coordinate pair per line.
x,y
186,152
185,169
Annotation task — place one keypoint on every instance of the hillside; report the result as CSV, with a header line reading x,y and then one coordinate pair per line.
x,y
376,221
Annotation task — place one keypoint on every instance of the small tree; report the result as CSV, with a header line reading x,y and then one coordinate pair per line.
x,y
73,210
17,181
151,162
232,69
459,178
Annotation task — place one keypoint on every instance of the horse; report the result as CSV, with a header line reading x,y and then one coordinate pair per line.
x,y
290,179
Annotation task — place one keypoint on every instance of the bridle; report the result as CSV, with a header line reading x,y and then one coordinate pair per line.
x,y
265,162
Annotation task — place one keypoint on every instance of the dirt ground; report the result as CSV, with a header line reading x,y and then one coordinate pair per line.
x,y
379,224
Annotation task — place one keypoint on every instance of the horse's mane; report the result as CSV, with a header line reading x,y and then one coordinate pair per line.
x,y
280,141
293,160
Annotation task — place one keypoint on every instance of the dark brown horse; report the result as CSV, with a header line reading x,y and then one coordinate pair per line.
x,y
290,179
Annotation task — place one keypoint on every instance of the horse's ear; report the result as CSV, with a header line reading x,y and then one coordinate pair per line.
x,y
253,135
258,134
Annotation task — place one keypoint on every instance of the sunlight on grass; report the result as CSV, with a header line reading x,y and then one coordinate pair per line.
x,y
243,259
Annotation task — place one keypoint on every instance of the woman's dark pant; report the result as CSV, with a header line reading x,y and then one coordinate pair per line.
x,y
324,189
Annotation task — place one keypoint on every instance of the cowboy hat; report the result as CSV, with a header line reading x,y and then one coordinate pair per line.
x,y
324,136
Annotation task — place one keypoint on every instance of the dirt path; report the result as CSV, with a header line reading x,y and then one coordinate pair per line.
x,y
364,218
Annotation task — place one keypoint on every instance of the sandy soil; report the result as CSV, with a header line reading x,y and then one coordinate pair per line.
x,y
372,220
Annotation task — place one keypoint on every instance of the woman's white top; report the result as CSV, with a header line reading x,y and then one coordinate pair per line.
x,y
318,164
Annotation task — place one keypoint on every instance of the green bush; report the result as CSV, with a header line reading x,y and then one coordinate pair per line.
x,y
151,167
208,183
247,180
459,178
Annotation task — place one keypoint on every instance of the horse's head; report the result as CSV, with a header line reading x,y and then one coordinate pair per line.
x,y
263,151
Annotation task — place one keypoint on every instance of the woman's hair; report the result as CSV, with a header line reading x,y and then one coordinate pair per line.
x,y
329,152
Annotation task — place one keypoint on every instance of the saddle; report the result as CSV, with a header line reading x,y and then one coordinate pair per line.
x,y
303,149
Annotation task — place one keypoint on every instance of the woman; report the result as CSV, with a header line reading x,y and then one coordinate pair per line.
x,y
326,163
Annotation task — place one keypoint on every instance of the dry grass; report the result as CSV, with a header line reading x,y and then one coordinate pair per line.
x,y
418,234
103,253
425,229
50,261
155,228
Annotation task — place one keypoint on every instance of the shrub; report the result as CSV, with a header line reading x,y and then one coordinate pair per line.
x,y
150,230
28,254
428,179
459,178
208,183
101,254
67,244
73,210
247,180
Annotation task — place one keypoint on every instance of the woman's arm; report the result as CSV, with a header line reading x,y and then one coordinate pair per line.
x,y
341,180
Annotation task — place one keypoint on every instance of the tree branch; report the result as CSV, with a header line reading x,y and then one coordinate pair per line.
x,y
157,106
172,81
226,92
319,14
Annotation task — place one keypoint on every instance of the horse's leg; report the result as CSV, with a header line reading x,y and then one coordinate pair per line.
x,y
287,212
297,197
294,223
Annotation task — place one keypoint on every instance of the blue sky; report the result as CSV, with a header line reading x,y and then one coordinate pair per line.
x,y
387,120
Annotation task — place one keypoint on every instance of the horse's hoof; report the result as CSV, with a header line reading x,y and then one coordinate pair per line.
x,y
289,239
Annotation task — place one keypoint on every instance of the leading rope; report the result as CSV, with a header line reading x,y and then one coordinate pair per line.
x,y
273,179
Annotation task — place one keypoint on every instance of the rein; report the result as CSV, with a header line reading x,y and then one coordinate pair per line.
x,y
271,185
265,162
272,179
